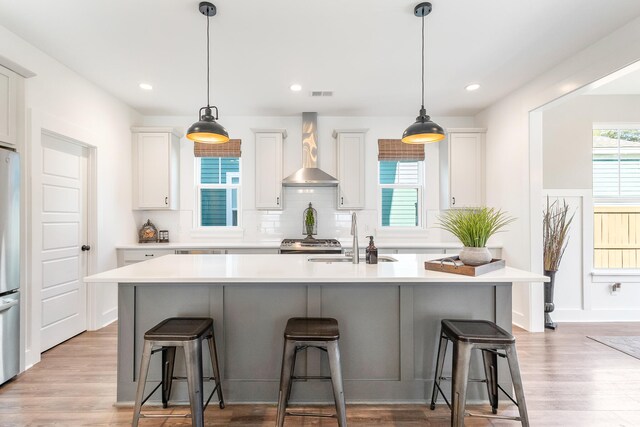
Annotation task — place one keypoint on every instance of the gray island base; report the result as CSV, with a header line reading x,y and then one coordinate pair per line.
x,y
389,316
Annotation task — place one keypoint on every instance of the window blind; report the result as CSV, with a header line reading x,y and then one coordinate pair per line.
x,y
229,149
396,150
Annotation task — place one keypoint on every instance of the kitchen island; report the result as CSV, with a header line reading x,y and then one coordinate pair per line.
x,y
389,316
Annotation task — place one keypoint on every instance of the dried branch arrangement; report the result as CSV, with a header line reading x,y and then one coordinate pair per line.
x,y
556,222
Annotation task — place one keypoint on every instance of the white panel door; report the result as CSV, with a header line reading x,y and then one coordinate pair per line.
x,y
63,210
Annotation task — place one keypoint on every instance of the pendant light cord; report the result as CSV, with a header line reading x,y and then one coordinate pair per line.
x,y
208,62
423,61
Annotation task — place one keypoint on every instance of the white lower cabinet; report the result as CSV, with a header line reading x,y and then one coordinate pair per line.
x,y
132,256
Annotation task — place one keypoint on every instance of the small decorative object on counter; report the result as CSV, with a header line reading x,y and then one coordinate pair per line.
x,y
371,252
163,236
473,227
309,216
455,266
148,233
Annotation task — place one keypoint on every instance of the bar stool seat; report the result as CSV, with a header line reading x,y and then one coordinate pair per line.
x,y
187,333
312,332
494,342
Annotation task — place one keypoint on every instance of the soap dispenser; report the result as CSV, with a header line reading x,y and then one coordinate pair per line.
x,y
371,252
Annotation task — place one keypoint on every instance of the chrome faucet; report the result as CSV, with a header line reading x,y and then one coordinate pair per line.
x,y
355,255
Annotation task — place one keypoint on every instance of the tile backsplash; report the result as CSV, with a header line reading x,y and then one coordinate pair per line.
x,y
275,225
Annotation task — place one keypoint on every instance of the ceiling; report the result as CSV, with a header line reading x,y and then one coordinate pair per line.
x,y
367,52
626,84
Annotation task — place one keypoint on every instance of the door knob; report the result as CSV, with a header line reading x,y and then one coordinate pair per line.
x,y
85,248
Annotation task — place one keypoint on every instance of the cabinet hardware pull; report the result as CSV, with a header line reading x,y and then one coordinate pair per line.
x,y
148,254
166,200
454,200
342,200
278,201
85,248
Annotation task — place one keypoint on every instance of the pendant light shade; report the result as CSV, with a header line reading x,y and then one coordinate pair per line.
x,y
207,130
423,131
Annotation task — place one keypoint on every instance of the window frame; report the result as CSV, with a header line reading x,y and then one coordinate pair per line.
x,y
612,200
420,187
199,186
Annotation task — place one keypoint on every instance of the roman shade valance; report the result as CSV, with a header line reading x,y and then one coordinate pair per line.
x,y
229,149
396,150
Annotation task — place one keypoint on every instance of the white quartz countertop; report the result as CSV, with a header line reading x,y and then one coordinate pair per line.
x,y
294,269
276,245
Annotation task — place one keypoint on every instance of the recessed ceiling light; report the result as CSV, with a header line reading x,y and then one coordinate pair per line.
x,y
145,86
295,87
472,87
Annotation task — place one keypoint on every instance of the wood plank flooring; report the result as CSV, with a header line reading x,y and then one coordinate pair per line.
x,y
569,380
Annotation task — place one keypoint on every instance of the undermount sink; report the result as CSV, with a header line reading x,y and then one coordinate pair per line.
x,y
381,258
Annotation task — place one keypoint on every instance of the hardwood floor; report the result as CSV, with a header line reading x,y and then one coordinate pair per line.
x,y
569,380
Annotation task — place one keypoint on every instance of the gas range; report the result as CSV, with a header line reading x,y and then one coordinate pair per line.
x,y
310,246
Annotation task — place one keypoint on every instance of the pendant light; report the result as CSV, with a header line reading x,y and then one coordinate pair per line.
x,y
206,130
423,131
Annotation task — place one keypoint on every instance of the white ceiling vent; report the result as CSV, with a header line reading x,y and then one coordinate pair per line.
x,y
316,93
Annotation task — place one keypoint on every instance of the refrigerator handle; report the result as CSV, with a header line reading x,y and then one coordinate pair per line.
x,y
8,305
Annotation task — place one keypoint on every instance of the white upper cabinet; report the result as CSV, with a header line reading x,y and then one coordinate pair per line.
x,y
8,106
156,159
350,168
464,168
268,151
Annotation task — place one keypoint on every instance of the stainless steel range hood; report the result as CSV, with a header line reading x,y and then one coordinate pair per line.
x,y
309,175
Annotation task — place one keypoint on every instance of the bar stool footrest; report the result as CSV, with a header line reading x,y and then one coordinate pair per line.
x,y
310,414
495,417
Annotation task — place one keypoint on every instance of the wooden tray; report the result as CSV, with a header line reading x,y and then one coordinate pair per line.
x,y
455,266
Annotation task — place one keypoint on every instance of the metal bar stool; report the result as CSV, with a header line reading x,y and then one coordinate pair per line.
x,y
491,339
313,332
188,333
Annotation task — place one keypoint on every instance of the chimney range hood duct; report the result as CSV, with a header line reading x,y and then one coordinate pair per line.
x,y
309,175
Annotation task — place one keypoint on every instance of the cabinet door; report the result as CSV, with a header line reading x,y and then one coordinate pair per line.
x,y
465,170
153,172
8,105
351,170
269,170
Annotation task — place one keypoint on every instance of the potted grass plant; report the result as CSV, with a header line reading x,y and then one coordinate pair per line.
x,y
555,227
473,227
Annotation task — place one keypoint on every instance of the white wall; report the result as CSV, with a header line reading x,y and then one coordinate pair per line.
x,y
514,165
66,103
568,140
568,135
275,225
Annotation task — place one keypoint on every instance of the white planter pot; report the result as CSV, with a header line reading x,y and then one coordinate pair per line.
x,y
475,256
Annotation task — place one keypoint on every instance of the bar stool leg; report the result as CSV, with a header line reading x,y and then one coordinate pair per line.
x,y
442,351
142,379
214,365
293,369
333,351
168,362
461,359
193,361
490,360
512,358
285,380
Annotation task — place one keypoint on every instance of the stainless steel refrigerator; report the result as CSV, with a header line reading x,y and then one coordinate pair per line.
x,y
9,264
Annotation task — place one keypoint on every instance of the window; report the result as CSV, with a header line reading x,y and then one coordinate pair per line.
x,y
616,195
400,175
218,191
616,164
400,193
